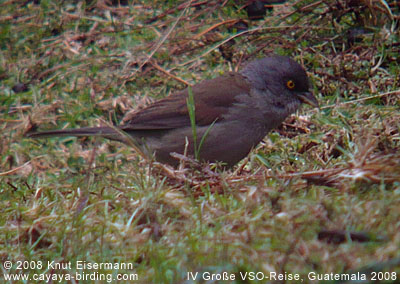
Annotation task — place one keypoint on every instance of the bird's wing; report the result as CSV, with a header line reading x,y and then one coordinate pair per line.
x,y
212,100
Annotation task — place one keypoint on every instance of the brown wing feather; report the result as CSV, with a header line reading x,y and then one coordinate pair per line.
x,y
212,100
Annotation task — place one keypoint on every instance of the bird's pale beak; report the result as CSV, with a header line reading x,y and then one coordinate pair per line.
x,y
308,98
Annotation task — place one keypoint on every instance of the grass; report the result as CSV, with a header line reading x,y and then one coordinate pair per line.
x,y
295,205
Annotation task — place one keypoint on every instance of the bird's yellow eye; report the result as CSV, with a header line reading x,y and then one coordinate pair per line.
x,y
290,84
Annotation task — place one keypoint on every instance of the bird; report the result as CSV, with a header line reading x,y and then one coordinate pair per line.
x,y
231,114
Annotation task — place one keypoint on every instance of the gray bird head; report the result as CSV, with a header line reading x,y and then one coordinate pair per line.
x,y
282,77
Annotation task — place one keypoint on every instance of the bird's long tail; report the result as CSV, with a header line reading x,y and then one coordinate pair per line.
x,y
106,132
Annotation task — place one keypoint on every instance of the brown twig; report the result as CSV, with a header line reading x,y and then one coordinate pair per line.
x,y
159,44
396,92
158,67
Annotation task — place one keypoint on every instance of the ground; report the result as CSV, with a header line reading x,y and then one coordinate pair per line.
x,y
321,194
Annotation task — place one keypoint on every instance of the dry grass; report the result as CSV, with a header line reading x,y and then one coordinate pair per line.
x,y
321,194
